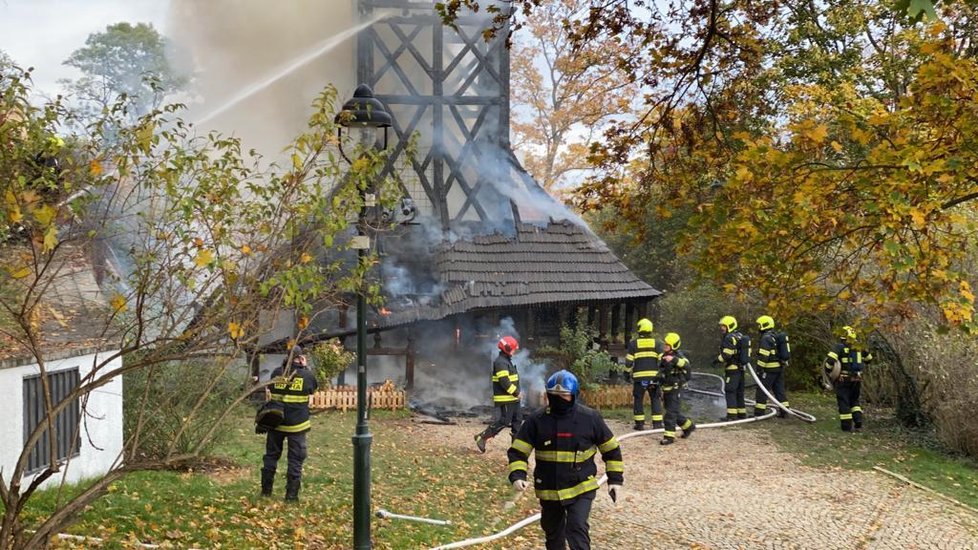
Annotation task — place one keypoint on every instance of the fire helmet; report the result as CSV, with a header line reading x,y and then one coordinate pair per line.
x,y
848,333
508,345
765,322
729,322
563,381
644,325
672,339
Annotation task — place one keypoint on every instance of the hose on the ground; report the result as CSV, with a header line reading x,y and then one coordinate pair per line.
x,y
604,478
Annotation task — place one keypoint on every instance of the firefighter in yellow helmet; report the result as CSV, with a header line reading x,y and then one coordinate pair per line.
x,y
674,369
734,355
773,353
844,365
642,363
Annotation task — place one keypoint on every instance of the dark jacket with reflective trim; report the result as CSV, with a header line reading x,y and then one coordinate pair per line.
x,y
642,359
673,371
565,446
294,392
852,359
767,350
505,380
730,350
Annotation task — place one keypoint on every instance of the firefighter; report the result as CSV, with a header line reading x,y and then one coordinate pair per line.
x,y
505,393
565,435
772,358
849,358
734,354
292,385
642,363
675,372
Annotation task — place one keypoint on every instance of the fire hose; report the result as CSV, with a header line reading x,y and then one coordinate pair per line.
x,y
604,478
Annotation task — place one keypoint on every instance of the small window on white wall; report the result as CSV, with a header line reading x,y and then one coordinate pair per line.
x,y
66,423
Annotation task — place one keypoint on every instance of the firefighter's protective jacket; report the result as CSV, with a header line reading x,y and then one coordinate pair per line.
x,y
851,358
565,446
505,380
674,371
767,350
293,391
731,355
642,359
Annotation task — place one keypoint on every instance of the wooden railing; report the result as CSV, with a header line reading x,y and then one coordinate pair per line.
x,y
608,397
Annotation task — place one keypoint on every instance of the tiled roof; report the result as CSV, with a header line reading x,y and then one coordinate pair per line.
x,y
560,262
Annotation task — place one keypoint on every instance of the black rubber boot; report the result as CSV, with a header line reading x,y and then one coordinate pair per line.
x,y
639,426
480,443
267,480
688,431
656,425
292,485
667,441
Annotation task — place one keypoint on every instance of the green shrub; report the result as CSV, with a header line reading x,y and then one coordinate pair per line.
x,y
329,359
169,409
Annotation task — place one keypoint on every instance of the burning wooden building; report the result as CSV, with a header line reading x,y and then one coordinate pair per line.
x,y
486,242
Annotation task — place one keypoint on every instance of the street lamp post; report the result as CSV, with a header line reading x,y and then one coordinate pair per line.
x,y
366,116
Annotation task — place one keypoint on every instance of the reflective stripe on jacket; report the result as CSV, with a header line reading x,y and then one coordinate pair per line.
x,y
505,380
642,359
565,446
767,351
293,392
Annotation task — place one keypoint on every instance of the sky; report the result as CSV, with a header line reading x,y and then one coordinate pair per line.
x,y
43,33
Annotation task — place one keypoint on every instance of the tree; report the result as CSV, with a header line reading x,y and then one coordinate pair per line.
x,y
212,245
563,94
811,140
123,61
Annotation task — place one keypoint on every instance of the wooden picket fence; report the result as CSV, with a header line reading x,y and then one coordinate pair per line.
x,y
608,397
344,398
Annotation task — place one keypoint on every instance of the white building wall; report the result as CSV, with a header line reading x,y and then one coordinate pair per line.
x,y
101,430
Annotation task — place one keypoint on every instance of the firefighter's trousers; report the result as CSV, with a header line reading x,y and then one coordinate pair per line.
x,y
773,380
641,387
674,415
274,441
503,415
847,397
733,391
566,523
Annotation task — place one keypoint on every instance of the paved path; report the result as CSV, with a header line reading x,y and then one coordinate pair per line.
x,y
730,489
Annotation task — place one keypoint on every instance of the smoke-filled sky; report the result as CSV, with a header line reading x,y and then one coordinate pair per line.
x,y
43,33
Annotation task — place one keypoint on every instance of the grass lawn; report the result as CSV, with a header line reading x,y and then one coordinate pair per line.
x,y
222,509
882,443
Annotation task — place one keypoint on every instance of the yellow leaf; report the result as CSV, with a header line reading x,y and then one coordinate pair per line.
x,y
50,238
235,330
118,302
836,146
246,250
303,322
45,214
21,273
204,258
305,258
919,220
296,161
144,138
95,168
817,134
15,215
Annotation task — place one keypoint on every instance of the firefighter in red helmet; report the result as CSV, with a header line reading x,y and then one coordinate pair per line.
x,y
505,393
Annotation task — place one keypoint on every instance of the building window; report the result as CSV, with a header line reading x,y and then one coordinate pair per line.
x,y
66,423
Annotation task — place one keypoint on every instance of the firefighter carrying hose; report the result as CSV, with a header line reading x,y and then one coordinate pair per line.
x,y
773,353
642,363
734,355
505,393
844,366
674,369
565,436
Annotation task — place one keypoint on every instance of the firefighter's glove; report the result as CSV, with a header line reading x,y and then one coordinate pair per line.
x,y
615,492
628,376
520,485
260,429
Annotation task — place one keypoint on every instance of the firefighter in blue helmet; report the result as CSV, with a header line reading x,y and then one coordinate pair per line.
x,y
734,355
565,436
773,353
844,366
642,364
674,369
